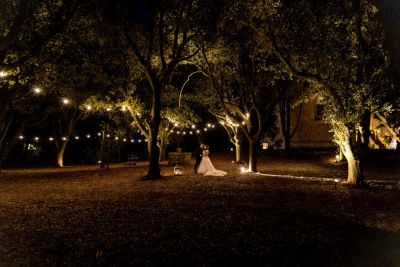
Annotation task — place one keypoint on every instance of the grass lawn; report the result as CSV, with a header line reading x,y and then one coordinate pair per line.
x,y
82,216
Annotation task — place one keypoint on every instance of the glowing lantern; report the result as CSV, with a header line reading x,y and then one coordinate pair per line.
x,y
178,170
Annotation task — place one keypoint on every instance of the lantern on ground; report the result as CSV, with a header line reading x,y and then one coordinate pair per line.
x,y
178,170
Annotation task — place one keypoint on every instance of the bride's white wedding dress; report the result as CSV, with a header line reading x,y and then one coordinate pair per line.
x,y
207,168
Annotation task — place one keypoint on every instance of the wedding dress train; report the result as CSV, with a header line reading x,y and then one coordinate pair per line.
x,y
207,168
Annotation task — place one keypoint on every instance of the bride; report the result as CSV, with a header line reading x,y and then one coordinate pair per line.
x,y
206,167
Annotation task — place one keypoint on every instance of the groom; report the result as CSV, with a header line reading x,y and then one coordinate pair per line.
x,y
198,153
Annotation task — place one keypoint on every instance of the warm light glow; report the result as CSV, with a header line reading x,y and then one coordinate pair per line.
x,y
178,170
3,74
37,90
65,101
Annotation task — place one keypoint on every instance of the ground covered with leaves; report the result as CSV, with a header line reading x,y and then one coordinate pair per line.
x,y
289,214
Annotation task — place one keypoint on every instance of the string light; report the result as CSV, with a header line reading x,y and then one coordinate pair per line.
x,y
37,90
88,136
65,101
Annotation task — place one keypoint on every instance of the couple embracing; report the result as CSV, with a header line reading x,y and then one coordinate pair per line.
x,y
203,163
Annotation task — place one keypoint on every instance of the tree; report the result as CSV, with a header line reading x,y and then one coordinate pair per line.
x,y
70,70
24,32
160,35
339,50
245,92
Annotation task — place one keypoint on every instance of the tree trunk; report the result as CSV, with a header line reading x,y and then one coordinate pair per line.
x,y
60,154
7,147
285,123
238,148
340,155
354,173
163,147
102,156
154,168
252,156
365,133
